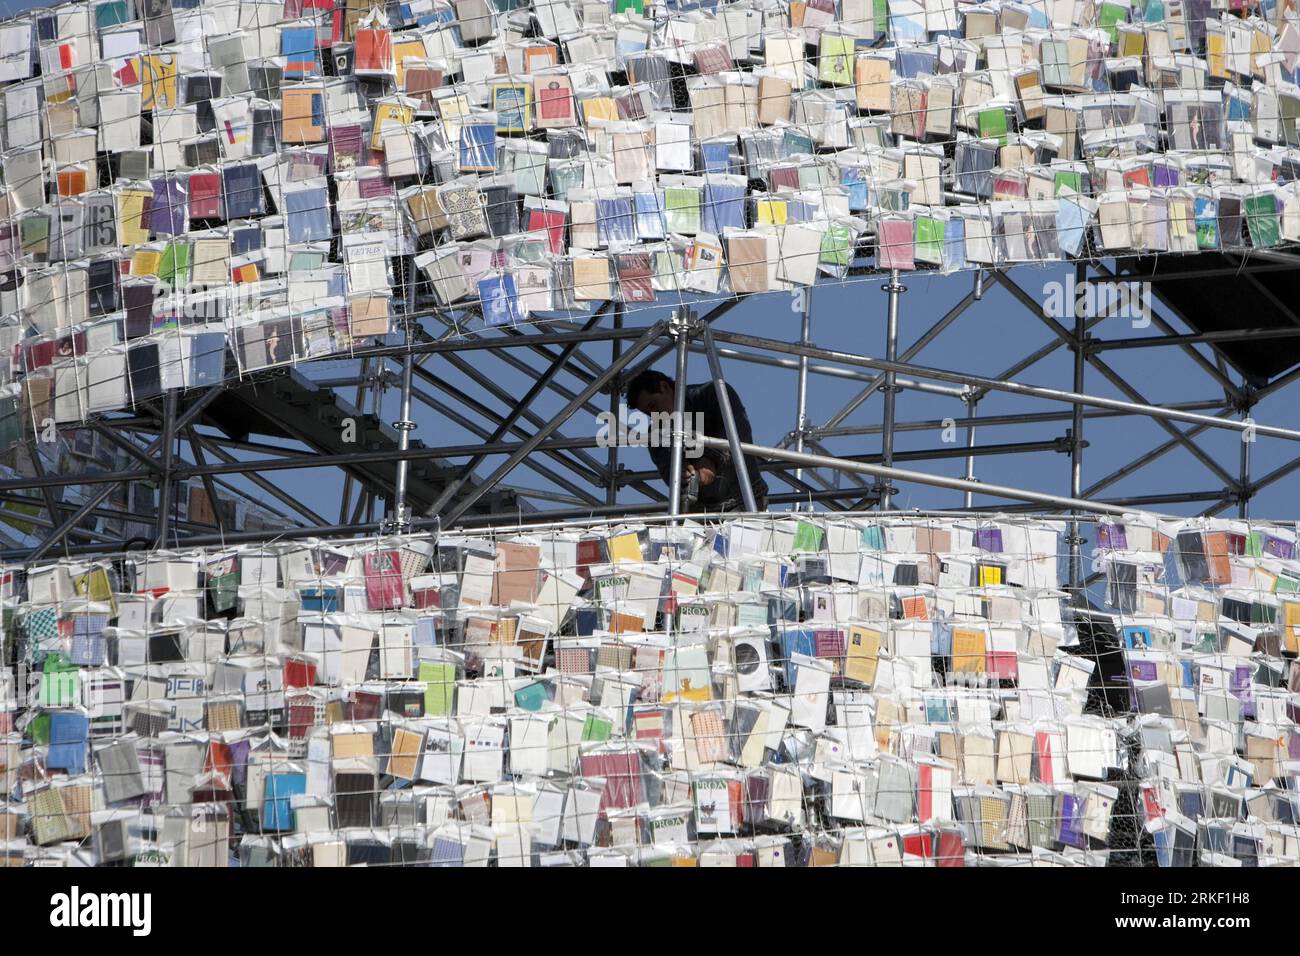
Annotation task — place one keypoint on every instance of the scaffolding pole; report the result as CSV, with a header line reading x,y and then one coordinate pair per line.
x,y
681,329
1079,346
894,288
801,396
729,424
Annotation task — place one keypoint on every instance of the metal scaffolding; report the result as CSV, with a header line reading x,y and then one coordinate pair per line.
x,y
500,388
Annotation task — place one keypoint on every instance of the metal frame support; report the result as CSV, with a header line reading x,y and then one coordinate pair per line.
x,y
681,330
972,407
400,517
801,397
615,402
1247,402
1079,346
729,423
168,450
526,448
894,288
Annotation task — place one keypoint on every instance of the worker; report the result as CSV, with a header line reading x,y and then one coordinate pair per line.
x,y
654,393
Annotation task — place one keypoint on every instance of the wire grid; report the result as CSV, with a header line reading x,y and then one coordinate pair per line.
x,y
905,689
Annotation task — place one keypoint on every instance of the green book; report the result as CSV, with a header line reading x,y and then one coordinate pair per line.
x,y
873,537
682,209
174,269
531,698
993,124
835,60
1261,220
440,690
1067,179
596,729
929,239
807,537
837,245
1111,14
1286,585
59,684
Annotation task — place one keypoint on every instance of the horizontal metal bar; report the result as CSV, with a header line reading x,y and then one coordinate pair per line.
x,y
1157,341
984,421
900,474
1014,388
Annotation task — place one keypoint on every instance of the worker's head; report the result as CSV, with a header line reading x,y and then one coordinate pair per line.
x,y
650,392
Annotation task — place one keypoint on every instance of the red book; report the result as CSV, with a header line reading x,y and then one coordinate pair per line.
x,y
205,195
952,849
299,672
384,587
919,844
553,223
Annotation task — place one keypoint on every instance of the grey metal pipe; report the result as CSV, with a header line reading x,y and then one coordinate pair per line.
x,y
1015,388
938,481
1076,426
801,396
168,451
971,404
682,331
890,388
401,514
729,423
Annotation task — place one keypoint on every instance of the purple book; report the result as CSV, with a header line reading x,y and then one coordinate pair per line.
x,y
1279,548
1112,537
988,539
1070,833
1164,176
167,209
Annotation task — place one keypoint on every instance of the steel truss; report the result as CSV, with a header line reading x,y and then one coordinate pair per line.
x,y
436,374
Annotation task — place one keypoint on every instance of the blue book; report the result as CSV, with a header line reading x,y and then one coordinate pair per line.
x,y
500,300
323,600
954,244
649,215
716,157
279,787
799,640
1071,226
478,147
615,221
298,47
724,205
68,735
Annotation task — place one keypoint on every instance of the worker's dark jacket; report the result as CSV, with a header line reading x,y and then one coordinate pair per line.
x,y
723,494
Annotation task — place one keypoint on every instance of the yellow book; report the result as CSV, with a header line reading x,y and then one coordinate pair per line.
x,y
95,586
625,547
599,108
1216,45
130,217
862,655
353,745
968,650
159,81
401,50
989,574
1291,627
145,262
395,113
772,212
